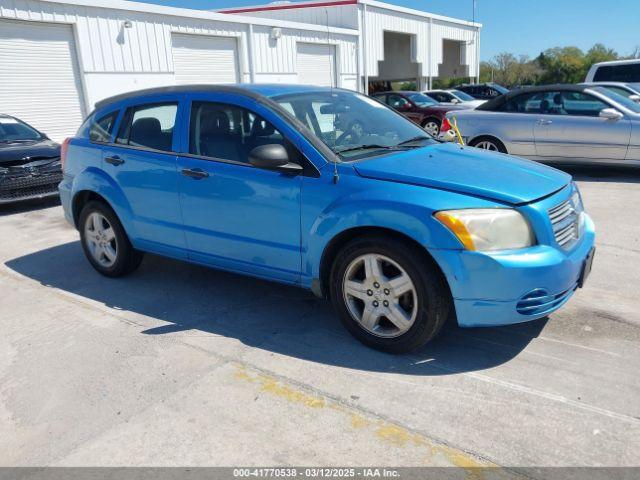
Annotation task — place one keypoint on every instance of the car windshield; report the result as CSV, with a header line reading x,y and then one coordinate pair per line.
x,y
12,130
465,97
352,125
635,86
421,100
616,97
500,88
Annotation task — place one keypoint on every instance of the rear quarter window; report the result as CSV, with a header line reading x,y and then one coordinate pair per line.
x,y
102,128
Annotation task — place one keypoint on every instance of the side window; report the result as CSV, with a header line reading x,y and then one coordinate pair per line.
x,y
579,103
397,101
149,126
101,129
440,97
528,103
228,132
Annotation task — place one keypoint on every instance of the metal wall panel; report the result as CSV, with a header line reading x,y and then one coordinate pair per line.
x,y
106,46
27,50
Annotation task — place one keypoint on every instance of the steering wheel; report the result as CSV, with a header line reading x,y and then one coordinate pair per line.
x,y
353,132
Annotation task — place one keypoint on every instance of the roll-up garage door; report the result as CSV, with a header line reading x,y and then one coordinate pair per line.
x,y
204,59
39,80
316,64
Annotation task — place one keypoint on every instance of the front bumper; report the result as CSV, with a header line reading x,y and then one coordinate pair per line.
x,y
15,188
497,288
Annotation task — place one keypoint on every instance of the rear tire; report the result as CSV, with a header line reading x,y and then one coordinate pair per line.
x,y
488,143
396,310
104,241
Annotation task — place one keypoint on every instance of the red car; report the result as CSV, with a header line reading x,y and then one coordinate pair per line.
x,y
418,107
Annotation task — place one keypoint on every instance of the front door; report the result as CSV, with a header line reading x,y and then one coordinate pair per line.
x,y
143,163
569,127
237,216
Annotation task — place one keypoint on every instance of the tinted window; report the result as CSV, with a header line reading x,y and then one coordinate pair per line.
x,y
618,73
149,126
397,101
440,96
465,97
101,129
228,132
421,99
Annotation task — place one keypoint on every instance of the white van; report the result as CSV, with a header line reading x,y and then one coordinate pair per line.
x,y
627,71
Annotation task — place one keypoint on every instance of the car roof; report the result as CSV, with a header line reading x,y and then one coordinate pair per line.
x,y
251,90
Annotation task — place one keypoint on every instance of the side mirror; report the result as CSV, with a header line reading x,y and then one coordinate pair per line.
x,y
610,114
455,100
635,98
273,157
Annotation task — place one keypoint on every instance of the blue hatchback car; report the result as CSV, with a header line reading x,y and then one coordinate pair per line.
x,y
331,191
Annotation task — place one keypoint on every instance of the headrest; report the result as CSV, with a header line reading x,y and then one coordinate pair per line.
x,y
544,106
262,128
146,126
557,99
213,121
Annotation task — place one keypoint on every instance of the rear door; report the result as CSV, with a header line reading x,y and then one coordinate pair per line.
x,y
142,162
569,127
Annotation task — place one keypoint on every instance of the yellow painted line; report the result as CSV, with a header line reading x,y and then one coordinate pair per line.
x,y
380,430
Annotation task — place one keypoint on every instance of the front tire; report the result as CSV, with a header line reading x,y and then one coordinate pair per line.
x,y
104,241
388,294
489,143
432,126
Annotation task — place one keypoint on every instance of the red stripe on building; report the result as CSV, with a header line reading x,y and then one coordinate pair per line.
x,y
291,6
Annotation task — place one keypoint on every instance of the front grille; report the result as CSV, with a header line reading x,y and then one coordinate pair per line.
x,y
539,301
16,188
565,221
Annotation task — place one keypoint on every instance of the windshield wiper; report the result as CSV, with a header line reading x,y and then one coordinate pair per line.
x,y
365,147
414,139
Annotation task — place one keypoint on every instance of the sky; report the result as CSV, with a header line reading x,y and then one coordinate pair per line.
x,y
517,26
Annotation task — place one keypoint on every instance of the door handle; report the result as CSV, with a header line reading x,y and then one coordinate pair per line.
x,y
544,122
195,173
115,160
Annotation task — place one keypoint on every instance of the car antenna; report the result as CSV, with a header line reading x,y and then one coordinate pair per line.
x,y
336,177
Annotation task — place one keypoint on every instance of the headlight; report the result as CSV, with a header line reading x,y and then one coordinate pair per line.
x,y
486,229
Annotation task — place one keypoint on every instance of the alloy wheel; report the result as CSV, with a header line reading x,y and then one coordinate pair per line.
x,y
101,239
380,295
487,145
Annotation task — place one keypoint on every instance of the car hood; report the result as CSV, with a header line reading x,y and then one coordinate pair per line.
x,y
467,170
15,153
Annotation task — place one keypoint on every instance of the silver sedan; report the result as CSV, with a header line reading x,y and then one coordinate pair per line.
x,y
556,124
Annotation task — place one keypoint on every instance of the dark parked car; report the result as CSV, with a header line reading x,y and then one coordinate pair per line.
x,y
418,107
29,162
483,91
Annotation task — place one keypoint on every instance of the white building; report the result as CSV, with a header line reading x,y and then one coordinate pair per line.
x,y
57,58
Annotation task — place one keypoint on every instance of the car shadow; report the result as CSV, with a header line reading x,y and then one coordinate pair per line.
x,y
588,173
28,205
182,298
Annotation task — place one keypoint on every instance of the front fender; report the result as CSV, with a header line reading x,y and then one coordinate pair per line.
x,y
413,220
95,180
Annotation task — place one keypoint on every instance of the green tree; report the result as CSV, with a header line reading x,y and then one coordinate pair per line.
x,y
561,65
